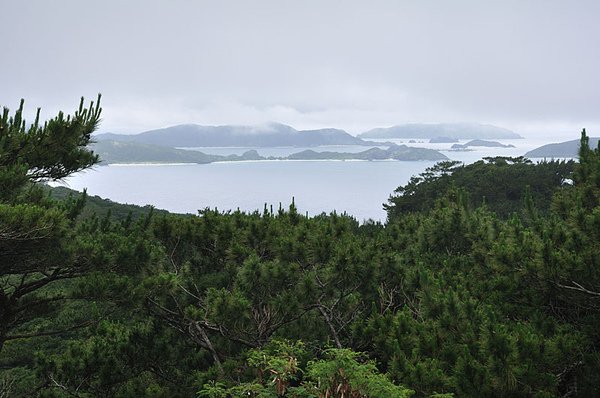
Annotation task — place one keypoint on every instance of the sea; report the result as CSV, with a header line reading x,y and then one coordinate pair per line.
x,y
357,188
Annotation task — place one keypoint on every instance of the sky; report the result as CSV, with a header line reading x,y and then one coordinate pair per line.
x,y
531,66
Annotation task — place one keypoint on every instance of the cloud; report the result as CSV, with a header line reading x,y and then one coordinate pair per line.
x,y
309,64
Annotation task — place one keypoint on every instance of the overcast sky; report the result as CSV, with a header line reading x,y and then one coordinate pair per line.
x,y
533,66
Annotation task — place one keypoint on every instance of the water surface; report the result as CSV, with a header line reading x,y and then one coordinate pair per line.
x,y
356,187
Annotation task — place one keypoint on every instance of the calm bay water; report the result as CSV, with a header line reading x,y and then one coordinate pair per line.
x,y
356,187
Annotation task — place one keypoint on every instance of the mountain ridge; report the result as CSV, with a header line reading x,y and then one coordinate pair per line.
x,y
433,130
269,135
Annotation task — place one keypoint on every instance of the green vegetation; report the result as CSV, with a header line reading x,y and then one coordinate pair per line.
x,y
95,206
446,299
500,183
130,152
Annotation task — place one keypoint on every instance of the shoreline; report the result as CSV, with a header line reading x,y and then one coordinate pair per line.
x,y
129,164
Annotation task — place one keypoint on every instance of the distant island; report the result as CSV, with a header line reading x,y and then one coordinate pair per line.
x,y
395,152
567,149
268,135
481,143
118,152
114,152
450,130
443,140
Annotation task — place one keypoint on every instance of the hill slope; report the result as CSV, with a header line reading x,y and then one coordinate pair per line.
x,y
131,152
567,149
101,207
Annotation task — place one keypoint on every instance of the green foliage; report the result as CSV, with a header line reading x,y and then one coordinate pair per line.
x,y
500,183
38,247
344,373
49,151
96,206
340,373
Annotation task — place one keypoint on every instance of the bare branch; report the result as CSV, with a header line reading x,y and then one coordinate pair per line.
x,y
578,287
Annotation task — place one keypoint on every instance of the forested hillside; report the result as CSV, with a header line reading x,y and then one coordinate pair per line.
x,y
504,185
453,296
95,206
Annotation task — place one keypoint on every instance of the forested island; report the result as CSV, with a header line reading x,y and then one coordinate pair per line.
x,y
481,143
393,152
115,152
483,282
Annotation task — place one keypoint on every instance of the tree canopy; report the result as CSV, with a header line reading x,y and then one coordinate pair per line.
x,y
499,182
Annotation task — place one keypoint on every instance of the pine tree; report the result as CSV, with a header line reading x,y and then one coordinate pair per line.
x,y
36,239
